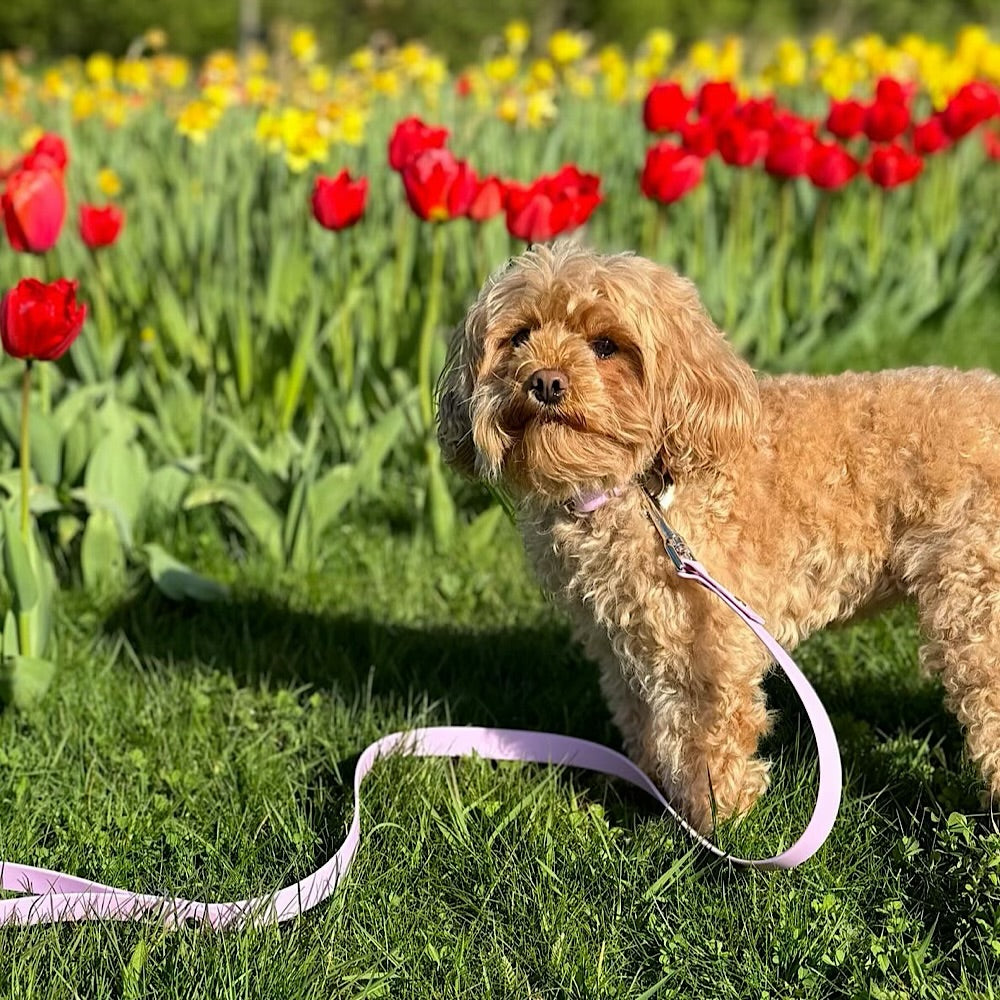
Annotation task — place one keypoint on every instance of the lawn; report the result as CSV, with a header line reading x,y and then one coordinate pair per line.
x,y
207,750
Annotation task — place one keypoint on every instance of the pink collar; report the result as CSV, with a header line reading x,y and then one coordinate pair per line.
x,y
589,502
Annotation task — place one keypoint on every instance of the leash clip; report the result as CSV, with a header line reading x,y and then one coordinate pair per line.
x,y
673,544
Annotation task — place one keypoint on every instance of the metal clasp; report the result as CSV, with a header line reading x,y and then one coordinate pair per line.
x,y
673,544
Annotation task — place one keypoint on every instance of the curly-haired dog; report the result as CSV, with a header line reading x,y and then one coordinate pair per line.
x,y
576,375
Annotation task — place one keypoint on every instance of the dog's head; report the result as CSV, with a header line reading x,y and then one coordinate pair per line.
x,y
575,372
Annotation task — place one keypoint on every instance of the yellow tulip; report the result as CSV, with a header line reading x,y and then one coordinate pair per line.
x,y
660,43
54,87
703,57
172,70
30,136
319,79
303,45
540,109
134,74
197,119
108,182
362,60
83,103
542,73
507,109
503,69
517,34
156,38
100,67
386,82
567,47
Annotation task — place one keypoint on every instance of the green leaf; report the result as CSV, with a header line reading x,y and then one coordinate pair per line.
x,y
11,643
78,443
481,532
296,371
17,564
102,558
165,488
180,582
440,504
330,494
258,517
46,441
24,680
116,480
376,445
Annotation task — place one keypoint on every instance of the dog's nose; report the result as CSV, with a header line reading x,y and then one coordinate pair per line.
x,y
548,386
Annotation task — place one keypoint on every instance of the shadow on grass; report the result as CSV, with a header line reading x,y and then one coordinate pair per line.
x,y
895,736
528,677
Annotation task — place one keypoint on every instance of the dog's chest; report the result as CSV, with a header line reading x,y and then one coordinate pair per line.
x,y
608,563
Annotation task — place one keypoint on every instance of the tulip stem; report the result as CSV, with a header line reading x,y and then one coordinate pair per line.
x,y
430,324
818,250
875,198
23,617
25,448
786,207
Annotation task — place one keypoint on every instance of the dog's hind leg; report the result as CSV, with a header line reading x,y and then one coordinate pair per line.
x,y
955,578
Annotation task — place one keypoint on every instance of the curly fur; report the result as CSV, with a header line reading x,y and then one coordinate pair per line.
x,y
813,498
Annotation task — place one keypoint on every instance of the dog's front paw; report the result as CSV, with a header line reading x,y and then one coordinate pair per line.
x,y
721,792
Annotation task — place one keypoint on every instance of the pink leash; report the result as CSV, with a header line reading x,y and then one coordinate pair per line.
x,y
55,897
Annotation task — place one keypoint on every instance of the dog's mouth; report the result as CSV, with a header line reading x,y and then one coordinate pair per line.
x,y
525,414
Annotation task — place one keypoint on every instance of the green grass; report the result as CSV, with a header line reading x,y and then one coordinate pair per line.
x,y
208,751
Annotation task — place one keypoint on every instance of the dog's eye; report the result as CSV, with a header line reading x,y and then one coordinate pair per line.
x,y
521,336
603,347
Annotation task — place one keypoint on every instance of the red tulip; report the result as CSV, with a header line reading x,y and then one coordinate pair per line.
x,y
886,120
889,90
929,136
666,107
49,153
670,172
969,106
552,204
758,113
831,166
39,321
698,137
490,200
99,227
991,143
338,202
463,85
739,145
439,187
34,207
790,147
411,137
716,99
845,119
890,166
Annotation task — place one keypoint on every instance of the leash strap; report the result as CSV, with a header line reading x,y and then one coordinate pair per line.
x,y
53,897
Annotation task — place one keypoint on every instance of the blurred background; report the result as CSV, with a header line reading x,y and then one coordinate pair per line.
x,y
459,31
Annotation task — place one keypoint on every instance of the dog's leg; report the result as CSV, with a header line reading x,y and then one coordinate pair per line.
x,y
958,592
700,717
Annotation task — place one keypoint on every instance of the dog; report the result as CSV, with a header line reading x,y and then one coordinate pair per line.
x,y
577,378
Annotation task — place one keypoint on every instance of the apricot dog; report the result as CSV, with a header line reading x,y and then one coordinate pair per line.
x,y
575,377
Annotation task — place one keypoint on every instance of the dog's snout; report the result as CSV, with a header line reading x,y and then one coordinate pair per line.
x,y
548,386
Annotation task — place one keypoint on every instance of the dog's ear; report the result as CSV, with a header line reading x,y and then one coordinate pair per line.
x,y
454,396
709,402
